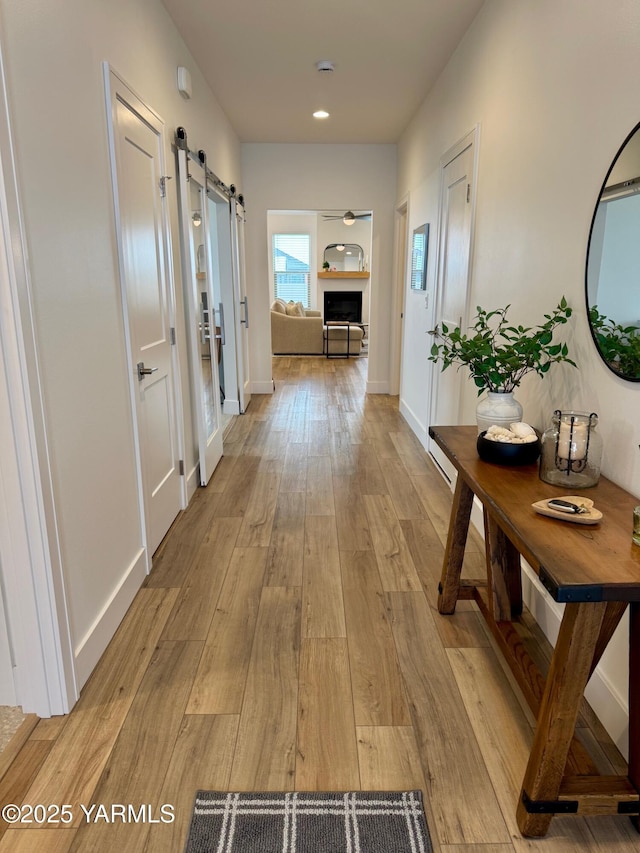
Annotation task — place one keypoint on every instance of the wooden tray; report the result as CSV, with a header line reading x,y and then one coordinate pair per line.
x,y
592,517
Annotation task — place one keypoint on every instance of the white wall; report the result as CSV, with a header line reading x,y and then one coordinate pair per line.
x,y
319,177
553,86
53,55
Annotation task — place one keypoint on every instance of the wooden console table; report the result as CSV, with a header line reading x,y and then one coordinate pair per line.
x,y
595,570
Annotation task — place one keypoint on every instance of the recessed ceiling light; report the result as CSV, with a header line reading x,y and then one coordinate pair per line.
x,y
321,114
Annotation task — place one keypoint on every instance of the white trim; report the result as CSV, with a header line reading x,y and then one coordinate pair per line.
x,y
418,428
379,387
193,481
399,294
29,549
101,632
262,386
231,407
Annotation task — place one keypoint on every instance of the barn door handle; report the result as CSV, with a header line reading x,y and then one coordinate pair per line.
x,y
144,371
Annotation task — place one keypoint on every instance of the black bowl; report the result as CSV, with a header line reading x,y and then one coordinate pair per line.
x,y
502,453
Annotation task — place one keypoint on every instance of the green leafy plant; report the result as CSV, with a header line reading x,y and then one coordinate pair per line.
x,y
499,355
325,265
619,345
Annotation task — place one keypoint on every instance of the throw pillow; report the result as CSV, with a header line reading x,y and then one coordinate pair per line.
x,y
279,306
295,309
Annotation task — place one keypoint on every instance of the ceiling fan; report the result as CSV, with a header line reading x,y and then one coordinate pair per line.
x,y
349,217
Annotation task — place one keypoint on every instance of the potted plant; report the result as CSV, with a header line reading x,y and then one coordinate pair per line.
x,y
618,344
499,355
325,266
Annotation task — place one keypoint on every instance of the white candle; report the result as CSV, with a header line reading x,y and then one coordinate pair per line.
x,y
576,449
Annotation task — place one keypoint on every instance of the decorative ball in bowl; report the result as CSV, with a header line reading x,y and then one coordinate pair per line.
x,y
518,445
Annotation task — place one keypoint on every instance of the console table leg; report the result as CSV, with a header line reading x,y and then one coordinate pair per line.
x,y
566,681
454,553
634,699
503,572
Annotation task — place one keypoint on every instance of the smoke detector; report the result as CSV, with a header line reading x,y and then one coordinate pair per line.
x,y
325,66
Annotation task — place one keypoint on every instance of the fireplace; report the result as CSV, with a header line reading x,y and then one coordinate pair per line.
x,y
343,305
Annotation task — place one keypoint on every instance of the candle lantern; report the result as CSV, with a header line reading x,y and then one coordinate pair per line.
x,y
571,450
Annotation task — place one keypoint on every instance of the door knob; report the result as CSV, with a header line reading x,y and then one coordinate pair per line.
x,y
144,371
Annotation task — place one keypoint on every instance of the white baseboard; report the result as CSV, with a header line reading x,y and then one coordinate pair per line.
x,y
378,387
419,429
231,407
91,647
193,481
262,387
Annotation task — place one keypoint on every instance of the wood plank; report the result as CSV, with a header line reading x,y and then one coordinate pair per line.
x,y
42,840
286,548
501,728
260,512
503,573
201,761
319,486
378,692
219,683
322,604
394,560
49,728
223,473
405,499
389,759
294,473
22,734
192,613
174,557
24,768
326,755
138,763
235,498
264,758
72,769
351,516
465,808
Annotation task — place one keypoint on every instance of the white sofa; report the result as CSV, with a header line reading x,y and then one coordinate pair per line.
x,y
300,331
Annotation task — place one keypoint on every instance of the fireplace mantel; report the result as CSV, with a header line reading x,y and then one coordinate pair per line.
x,y
339,274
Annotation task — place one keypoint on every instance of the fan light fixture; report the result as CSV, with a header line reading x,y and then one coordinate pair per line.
x,y
321,114
197,219
340,247
349,218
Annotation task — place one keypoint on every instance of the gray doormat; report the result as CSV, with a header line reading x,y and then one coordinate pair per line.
x,y
309,822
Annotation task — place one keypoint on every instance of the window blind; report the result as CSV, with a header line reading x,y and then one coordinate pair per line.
x,y
291,270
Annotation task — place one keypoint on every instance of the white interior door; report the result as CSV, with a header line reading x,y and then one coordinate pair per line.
x,y
201,319
241,304
454,254
147,301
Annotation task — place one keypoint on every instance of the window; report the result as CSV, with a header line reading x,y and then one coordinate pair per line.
x,y
291,271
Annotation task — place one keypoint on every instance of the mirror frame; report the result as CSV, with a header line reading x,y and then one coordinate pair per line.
x,y
347,246
419,257
589,307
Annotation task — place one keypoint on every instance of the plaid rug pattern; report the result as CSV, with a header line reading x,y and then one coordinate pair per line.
x,y
309,822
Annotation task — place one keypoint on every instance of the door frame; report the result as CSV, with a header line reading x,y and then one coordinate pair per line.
x,y
30,557
400,253
116,86
472,138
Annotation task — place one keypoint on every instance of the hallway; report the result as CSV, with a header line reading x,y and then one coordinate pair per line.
x,y
287,638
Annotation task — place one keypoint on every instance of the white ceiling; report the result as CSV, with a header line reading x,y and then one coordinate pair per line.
x,y
259,57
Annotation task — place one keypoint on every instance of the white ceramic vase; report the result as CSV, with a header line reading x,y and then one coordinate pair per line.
x,y
499,408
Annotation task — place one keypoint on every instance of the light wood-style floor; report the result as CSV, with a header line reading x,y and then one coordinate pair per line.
x,y
287,638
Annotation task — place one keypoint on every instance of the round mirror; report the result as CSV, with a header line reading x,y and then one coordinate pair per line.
x,y
613,264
